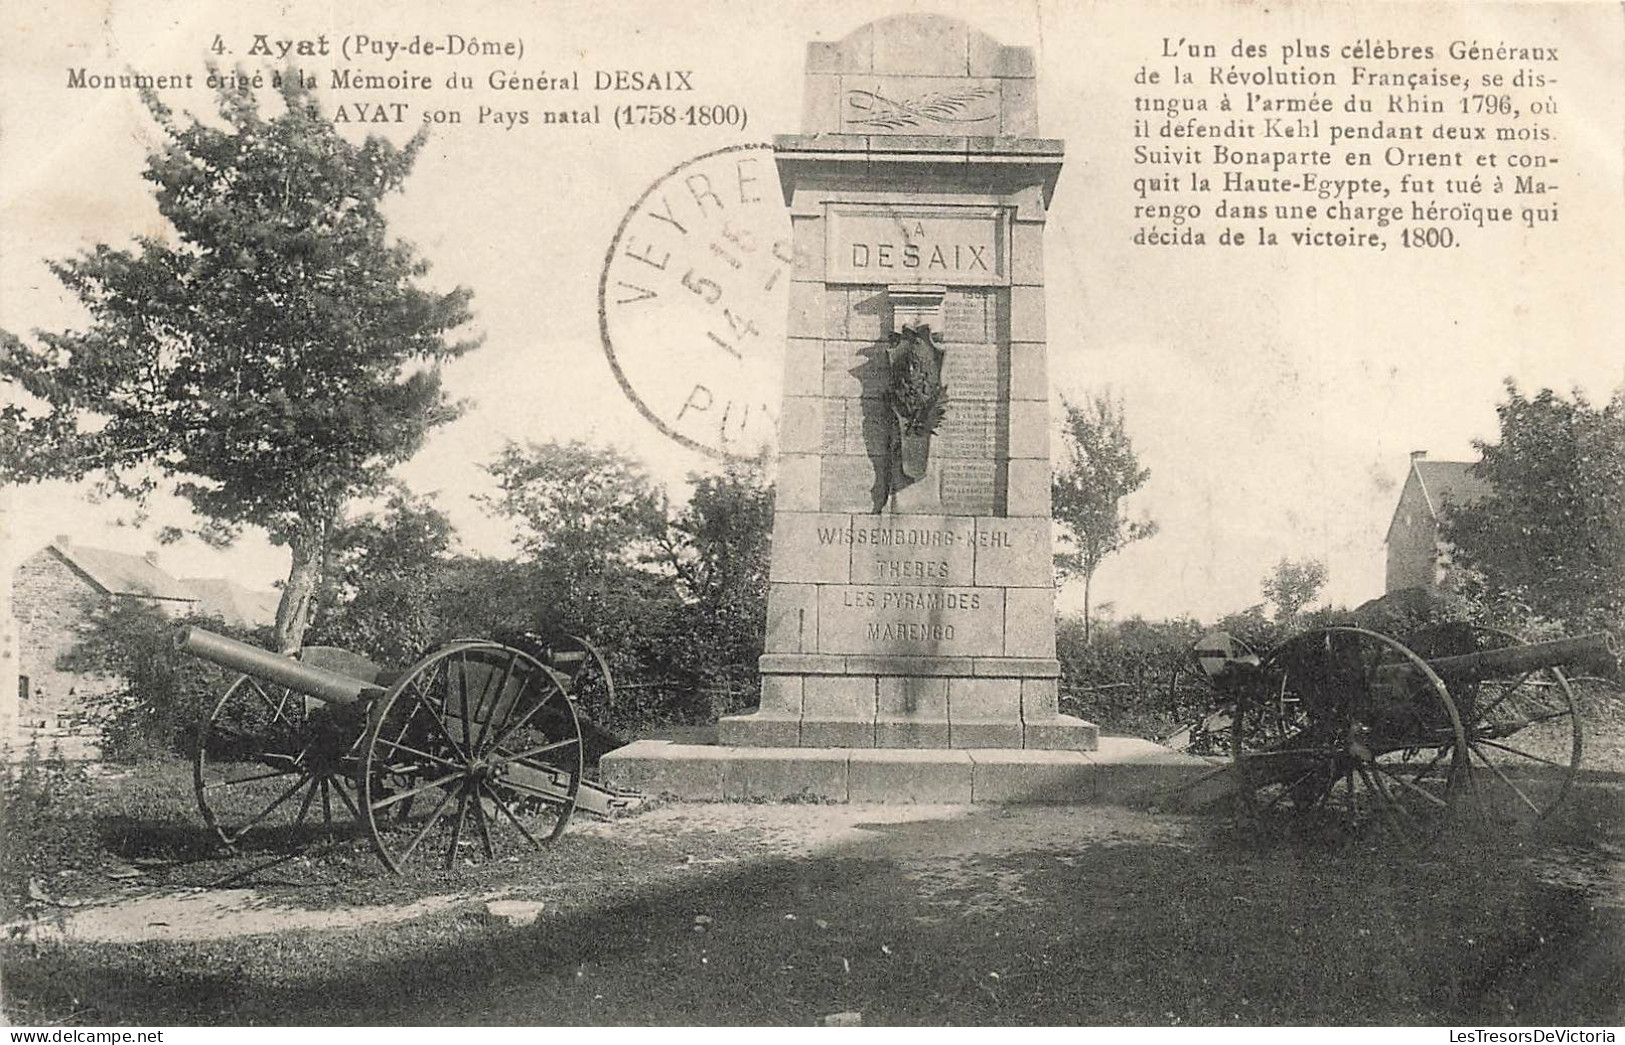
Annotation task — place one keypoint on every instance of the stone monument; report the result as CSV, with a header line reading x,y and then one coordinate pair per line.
x,y
912,603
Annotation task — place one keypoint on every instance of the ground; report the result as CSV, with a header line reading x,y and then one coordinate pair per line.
x,y
120,909
790,914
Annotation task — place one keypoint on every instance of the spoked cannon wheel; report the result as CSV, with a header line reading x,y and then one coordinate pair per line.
x,y
1523,732
1197,702
1348,726
474,754
273,765
1198,698
586,674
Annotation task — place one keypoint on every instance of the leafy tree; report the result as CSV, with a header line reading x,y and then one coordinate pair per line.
x,y
383,571
720,546
1252,626
1551,534
272,359
589,516
592,536
720,542
47,807
1098,470
596,562
676,600
1293,585
505,600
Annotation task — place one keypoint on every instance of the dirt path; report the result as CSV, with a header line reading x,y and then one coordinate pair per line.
x,y
934,846
213,914
949,856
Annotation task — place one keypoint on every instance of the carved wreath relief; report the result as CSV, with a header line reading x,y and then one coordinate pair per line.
x,y
916,397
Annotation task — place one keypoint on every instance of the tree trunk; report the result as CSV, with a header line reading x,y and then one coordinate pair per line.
x,y
1087,578
309,547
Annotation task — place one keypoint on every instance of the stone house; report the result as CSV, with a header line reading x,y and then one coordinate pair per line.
x,y
1417,557
55,591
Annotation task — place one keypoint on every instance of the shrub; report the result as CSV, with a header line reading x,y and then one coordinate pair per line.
x,y
162,692
1126,679
43,801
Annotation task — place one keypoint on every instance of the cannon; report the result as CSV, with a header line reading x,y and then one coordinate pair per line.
x,y
475,751
1365,727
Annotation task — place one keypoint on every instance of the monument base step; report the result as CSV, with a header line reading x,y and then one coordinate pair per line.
x,y
777,729
1119,771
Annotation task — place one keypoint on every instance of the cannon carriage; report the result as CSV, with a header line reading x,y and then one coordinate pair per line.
x,y
1354,724
473,753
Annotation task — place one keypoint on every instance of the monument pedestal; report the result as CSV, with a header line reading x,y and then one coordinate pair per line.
x,y
1120,771
814,700
912,600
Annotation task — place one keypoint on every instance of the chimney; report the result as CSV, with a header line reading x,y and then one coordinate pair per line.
x,y
63,541
1417,455
152,559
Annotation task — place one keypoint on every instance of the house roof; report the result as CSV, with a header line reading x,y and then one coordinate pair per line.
x,y
1440,482
233,603
119,574
1449,481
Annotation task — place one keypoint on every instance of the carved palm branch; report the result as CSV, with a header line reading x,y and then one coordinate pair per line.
x,y
936,107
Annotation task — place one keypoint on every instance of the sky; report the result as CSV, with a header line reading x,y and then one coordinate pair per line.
x,y
1274,395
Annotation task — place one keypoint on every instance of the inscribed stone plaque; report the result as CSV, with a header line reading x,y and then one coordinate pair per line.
x,y
914,549
969,430
970,487
911,621
965,315
834,436
971,371
891,244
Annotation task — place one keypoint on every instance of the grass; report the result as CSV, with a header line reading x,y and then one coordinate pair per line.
x,y
1306,933
1207,928
147,818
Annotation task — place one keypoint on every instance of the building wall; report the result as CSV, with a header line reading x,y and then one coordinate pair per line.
x,y
52,603
1413,542
8,627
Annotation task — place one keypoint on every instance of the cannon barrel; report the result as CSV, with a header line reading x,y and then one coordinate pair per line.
x,y
1596,649
327,686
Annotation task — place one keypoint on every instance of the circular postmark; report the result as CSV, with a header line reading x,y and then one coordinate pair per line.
x,y
693,298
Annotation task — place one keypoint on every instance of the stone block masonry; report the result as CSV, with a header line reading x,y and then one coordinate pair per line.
x,y
1118,771
54,606
914,608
